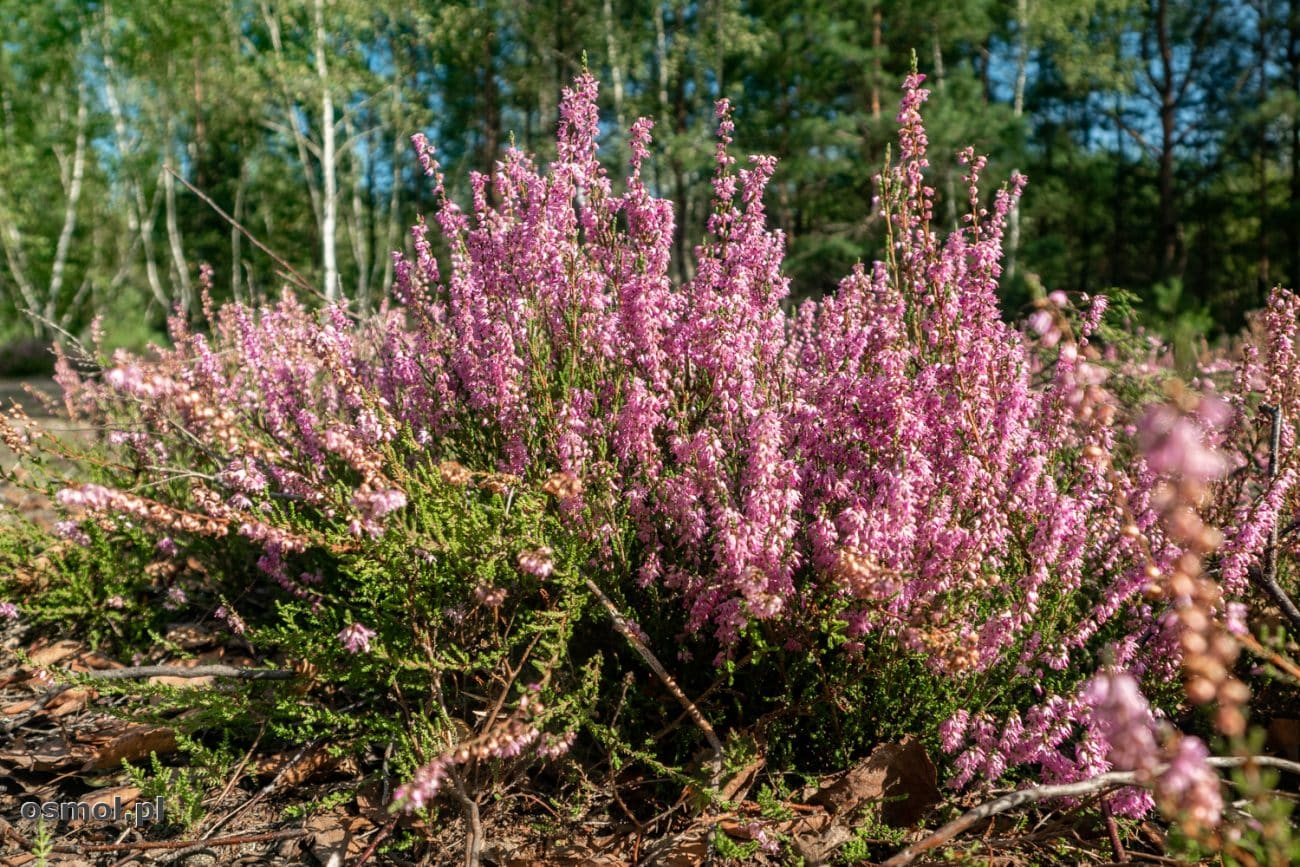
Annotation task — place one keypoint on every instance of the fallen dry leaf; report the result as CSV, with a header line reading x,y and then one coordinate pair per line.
x,y
69,701
17,707
191,635
338,839
132,745
116,798
1284,737
899,776
43,757
300,771
735,788
43,657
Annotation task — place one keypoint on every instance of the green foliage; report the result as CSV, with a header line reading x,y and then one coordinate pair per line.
x,y
233,100
180,788
1183,322
725,847
76,582
42,843
870,835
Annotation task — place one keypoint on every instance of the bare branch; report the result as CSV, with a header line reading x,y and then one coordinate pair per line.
x,y
621,624
1032,795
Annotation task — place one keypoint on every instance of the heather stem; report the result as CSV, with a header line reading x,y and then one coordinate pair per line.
x,y
1268,575
620,623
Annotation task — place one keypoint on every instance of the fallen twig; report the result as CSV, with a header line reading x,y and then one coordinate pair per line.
x,y
22,718
1112,780
235,840
176,671
620,623
265,790
374,844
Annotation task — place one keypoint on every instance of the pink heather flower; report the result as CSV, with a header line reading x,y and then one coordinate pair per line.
x,y
952,731
423,787
166,546
1041,321
1189,787
356,638
492,597
537,561
552,746
176,598
1123,720
115,602
758,833
8,611
1175,445
1234,618
71,530
899,417
375,505
231,619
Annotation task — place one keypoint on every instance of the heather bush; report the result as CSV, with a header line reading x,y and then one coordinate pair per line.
x,y
891,512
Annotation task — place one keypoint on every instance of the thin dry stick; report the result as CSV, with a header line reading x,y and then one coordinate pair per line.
x,y
25,716
1112,780
239,770
620,623
379,838
265,790
236,840
1117,848
197,671
473,823
297,278
1252,644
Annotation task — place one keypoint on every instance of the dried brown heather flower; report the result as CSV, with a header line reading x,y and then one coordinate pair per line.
x,y
15,440
500,483
863,576
563,485
454,473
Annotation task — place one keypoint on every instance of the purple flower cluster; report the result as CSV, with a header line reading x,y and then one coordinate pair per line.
x,y
356,638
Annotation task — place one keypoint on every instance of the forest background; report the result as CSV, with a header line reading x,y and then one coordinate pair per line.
x,y
1161,138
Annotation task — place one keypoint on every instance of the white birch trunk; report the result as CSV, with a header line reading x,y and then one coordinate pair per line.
x,y
75,177
329,222
1018,111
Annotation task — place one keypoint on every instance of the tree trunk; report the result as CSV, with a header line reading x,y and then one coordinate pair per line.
x,y
1261,150
179,264
75,177
1167,226
877,50
136,221
358,222
291,116
237,237
949,182
1293,66
1018,112
329,178
615,67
